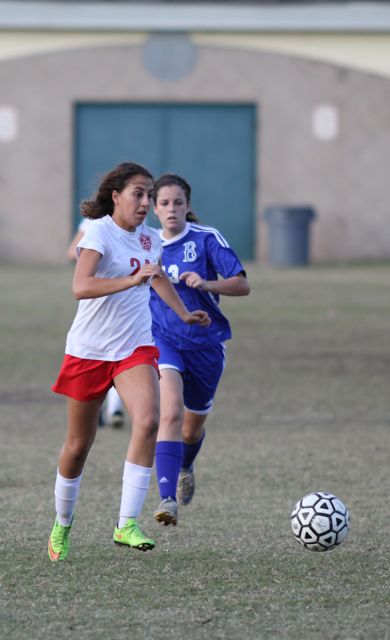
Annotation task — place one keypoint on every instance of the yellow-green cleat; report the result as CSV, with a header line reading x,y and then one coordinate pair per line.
x,y
58,545
131,535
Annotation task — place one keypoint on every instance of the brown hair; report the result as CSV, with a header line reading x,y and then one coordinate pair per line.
x,y
169,179
115,180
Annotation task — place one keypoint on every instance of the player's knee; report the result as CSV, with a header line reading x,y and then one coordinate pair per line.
x,y
77,448
148,426
172,415
192,433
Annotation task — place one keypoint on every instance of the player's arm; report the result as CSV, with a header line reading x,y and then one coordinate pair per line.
x,y
87,285
167,292
71,252
235,286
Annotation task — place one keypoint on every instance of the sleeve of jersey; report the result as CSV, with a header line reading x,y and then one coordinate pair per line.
x,y
222,256
92,239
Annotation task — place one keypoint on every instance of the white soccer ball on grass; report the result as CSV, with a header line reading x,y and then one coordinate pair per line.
x,y
320,521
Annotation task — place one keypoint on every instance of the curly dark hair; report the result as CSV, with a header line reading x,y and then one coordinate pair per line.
x,y
115,180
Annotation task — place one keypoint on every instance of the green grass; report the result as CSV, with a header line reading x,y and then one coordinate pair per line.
x,y
304,405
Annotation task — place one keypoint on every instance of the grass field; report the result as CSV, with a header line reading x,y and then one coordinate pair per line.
x,y
304,405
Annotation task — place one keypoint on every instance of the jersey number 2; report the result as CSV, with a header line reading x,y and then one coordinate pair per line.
x,y
136,265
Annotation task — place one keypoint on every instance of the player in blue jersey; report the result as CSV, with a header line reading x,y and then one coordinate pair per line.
x,y
192,358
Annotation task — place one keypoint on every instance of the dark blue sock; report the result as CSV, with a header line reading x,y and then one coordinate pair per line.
x,y
168,461
190,451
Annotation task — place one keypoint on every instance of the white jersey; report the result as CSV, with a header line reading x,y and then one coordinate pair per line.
x,y
112,327
84,224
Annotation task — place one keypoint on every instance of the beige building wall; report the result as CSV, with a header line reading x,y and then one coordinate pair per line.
x,y
368,52
323,128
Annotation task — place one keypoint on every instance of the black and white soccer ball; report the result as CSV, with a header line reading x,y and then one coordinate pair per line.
x,y
320,521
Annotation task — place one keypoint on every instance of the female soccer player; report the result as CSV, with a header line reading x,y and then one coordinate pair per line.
x,y
111,412
191,358
110,341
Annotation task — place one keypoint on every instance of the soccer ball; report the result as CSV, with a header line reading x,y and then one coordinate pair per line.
x,y
320,521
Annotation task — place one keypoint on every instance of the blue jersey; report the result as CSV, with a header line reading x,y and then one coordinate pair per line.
x,y
205,251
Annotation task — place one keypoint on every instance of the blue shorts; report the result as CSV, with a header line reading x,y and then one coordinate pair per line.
x,y
201,370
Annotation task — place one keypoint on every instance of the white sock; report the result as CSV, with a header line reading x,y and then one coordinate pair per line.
x,y
135,486
114,402
66,492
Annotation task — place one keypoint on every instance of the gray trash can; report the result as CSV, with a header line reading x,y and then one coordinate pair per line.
x,y
289,234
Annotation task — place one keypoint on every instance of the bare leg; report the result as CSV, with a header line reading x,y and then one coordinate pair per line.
x,y
81,431
139,390
172,407
193,427
169,444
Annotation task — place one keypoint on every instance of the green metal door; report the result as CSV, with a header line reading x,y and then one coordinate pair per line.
x,y
211,145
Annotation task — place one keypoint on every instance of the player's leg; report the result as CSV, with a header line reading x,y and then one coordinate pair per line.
x,y
204,369
169,443
169,439
80,434
193,437
81,430
193,432
139,389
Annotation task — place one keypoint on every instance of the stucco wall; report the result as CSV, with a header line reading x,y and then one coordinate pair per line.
x,y
346,179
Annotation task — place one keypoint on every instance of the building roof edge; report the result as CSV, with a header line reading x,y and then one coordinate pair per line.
x,y
367,17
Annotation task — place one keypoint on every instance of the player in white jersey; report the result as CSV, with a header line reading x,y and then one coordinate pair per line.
x,y
110,342
192,358
111,412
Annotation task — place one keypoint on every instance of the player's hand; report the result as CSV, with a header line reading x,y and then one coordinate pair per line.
x,y
199,317
193,280
146,271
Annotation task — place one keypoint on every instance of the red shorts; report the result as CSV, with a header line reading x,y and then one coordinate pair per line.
x,y
85,380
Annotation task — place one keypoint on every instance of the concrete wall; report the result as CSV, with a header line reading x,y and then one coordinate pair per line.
x,y
344,177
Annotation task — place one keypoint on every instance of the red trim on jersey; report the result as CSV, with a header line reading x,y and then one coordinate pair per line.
x,y
85,380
